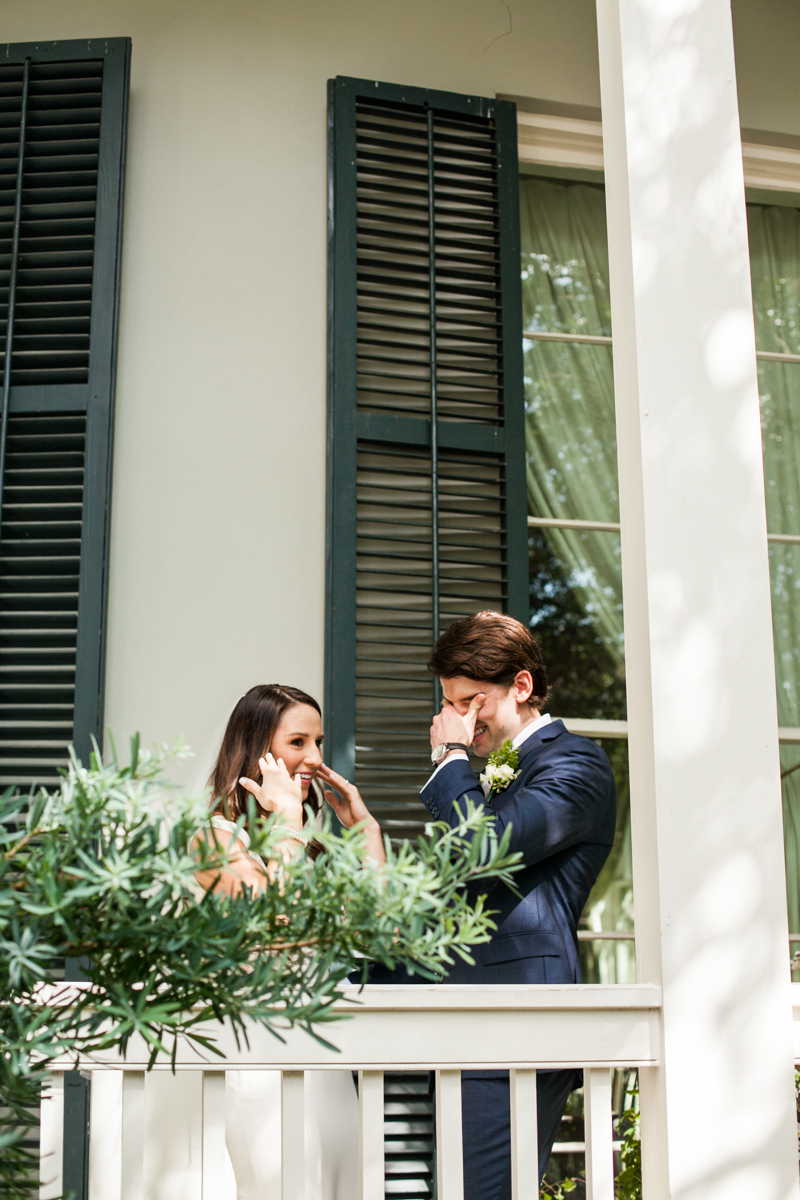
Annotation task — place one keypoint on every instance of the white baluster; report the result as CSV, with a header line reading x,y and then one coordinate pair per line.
x,y
51,1137
213,1135
293,1136
105,1136
524,1136
597,1117
370,1134
133,1135
449,1153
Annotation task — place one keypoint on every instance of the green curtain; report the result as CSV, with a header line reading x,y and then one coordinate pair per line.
x,y
569,390
775,265
572,460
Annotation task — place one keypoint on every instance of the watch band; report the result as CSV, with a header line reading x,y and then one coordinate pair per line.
x,y
440,750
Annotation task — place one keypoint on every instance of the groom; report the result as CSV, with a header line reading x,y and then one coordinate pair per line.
x,y
561,808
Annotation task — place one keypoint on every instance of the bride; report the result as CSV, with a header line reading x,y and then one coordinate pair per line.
x,y
275,733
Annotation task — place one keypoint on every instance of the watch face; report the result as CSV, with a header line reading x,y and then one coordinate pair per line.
x,y
438,752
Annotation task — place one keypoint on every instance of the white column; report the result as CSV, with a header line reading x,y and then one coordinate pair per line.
x,y
711,925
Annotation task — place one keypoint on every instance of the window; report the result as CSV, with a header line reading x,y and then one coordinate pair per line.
x,y
573,508
575,579
64,108
774,231
426,500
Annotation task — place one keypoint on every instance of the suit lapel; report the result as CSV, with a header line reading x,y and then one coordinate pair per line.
x,y
528,751
539,738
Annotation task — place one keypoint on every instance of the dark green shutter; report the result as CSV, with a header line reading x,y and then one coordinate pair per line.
x,y
56,485
425,317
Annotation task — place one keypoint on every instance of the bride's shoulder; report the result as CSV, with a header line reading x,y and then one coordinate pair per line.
x,y
219,822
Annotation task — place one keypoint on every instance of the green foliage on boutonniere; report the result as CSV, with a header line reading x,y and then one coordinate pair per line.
x,y
501,769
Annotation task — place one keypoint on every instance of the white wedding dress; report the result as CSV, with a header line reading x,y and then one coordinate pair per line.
x,y
173,1131
253,1124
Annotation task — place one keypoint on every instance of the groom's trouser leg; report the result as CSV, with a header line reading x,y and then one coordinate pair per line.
x,y
486,1127
486,1134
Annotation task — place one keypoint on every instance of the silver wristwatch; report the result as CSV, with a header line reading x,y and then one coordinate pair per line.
x,y
438,752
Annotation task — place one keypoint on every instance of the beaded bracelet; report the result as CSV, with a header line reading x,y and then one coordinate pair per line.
x,y
292,833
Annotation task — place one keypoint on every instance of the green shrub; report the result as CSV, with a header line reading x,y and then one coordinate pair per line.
x,y
103,870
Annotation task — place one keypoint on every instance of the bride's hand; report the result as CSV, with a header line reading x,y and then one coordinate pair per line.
x,y
278,792
351,810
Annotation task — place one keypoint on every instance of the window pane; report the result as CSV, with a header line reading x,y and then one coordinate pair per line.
x,y
564,256
571,437
569,386
610,906
785,576
774,233
790,778
576,613
779,394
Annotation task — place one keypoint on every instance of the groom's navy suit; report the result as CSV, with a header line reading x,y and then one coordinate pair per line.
x,y
562,812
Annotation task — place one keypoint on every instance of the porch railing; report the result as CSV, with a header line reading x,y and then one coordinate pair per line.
x,y
440,1028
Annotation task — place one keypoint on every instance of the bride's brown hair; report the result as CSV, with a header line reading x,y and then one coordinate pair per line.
x,y
248,737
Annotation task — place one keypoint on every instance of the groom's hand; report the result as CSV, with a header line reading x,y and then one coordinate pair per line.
x,y
450,726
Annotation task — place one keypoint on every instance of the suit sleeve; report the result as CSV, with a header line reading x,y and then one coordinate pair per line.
x,y
568,799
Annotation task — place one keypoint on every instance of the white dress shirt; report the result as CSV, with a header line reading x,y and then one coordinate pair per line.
x,y
516,742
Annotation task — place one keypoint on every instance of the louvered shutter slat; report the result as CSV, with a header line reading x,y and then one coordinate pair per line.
x,y
382,569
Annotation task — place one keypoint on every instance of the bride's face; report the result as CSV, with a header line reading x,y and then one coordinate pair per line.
x,y
298,741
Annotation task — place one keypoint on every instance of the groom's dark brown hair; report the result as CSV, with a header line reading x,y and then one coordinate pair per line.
x,y
490,647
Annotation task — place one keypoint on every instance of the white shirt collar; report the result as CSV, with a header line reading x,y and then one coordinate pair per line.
x,y
531,727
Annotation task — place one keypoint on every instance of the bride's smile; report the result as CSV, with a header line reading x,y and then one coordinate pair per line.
x,y
298,741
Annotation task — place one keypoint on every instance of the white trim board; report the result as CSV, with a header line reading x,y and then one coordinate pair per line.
x,y
597,728
556,141
553,140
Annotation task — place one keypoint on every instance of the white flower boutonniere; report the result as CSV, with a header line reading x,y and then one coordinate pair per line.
x,y
501,768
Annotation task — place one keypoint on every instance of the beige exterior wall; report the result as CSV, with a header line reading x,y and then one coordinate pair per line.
x,y
767,44
217,564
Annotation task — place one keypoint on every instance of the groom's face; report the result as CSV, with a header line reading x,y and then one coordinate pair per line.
x,y
498,716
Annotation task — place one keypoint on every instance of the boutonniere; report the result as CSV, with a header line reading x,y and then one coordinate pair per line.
x,y
501,769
